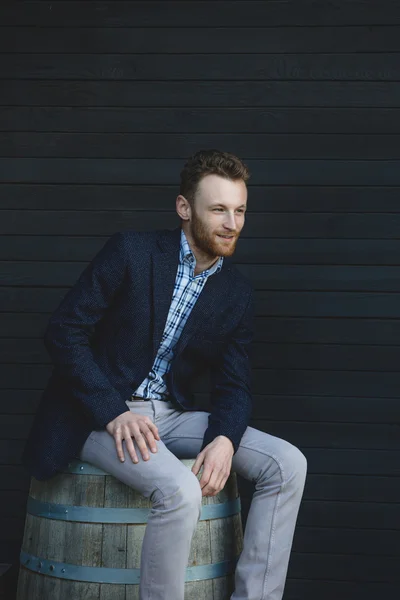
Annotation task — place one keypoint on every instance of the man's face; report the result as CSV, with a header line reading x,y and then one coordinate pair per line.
x,y
218,215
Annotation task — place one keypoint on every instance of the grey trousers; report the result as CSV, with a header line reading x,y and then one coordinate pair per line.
x,y
277,468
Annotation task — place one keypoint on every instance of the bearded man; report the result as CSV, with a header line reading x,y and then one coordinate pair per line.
x,y
149,314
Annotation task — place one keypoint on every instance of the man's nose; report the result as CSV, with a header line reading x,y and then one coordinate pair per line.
x,y
229,221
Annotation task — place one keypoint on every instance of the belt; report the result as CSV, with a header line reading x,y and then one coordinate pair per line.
x,y
140,399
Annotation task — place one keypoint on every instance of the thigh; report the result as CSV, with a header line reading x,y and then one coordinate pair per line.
x,y
259,453
157,477
262,454
183,432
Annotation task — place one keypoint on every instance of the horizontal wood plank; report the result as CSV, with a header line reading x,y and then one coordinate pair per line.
x,y
40,300
346,568
314,356
368,515
332,589
346,541
274,120
190,39
117,13
152,66
339,330
336,435
361,488
162,94
360,305
310,277
158,145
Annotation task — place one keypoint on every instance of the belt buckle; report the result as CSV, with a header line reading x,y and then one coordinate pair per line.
x,y
137,398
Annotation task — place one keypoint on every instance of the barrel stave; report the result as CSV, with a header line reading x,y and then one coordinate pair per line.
x,y
116,545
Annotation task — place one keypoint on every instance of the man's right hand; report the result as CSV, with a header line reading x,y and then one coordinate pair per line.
x,y
130,425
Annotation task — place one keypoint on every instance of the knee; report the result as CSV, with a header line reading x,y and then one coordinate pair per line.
x,y
294,465
188,496
288,465
192,491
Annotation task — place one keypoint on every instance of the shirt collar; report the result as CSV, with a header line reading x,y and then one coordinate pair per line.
x,y
187,255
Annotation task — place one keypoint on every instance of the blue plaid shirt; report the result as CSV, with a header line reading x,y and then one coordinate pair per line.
x,y
188,287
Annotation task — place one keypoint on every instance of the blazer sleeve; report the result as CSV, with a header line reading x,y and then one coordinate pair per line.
x,y
231,395
67,337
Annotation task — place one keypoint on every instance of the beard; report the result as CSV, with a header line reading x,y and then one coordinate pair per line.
x,y
208,241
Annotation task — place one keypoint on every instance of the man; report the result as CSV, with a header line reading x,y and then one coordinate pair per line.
x,y
151,312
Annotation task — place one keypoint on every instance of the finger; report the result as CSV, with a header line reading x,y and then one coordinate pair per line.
x,y
131,449
205,478
197,463
147,422
154,430
150,439
220,484
210,488
139,439
118,445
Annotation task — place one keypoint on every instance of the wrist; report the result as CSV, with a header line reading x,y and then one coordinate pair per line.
x,y
226,440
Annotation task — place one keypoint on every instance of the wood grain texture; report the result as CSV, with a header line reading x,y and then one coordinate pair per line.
x,y
116,545
158,145
164,67
225,13
226,94
190,39
276,119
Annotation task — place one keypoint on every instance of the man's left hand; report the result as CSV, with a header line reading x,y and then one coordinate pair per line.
x,y
217,460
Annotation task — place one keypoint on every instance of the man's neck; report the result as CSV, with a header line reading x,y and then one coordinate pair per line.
x,y
203,260
200,267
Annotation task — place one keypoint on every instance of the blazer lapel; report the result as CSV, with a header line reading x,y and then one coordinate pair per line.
x,y
211,301
165,265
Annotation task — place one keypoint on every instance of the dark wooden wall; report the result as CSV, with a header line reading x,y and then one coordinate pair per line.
x,y
101,102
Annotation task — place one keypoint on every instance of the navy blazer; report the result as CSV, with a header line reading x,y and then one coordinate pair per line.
x,y
104,336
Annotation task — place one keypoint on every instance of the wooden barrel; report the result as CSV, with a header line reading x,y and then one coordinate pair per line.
x,y
83,537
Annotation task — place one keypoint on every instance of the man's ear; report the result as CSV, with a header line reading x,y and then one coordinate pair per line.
x,y
183,208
